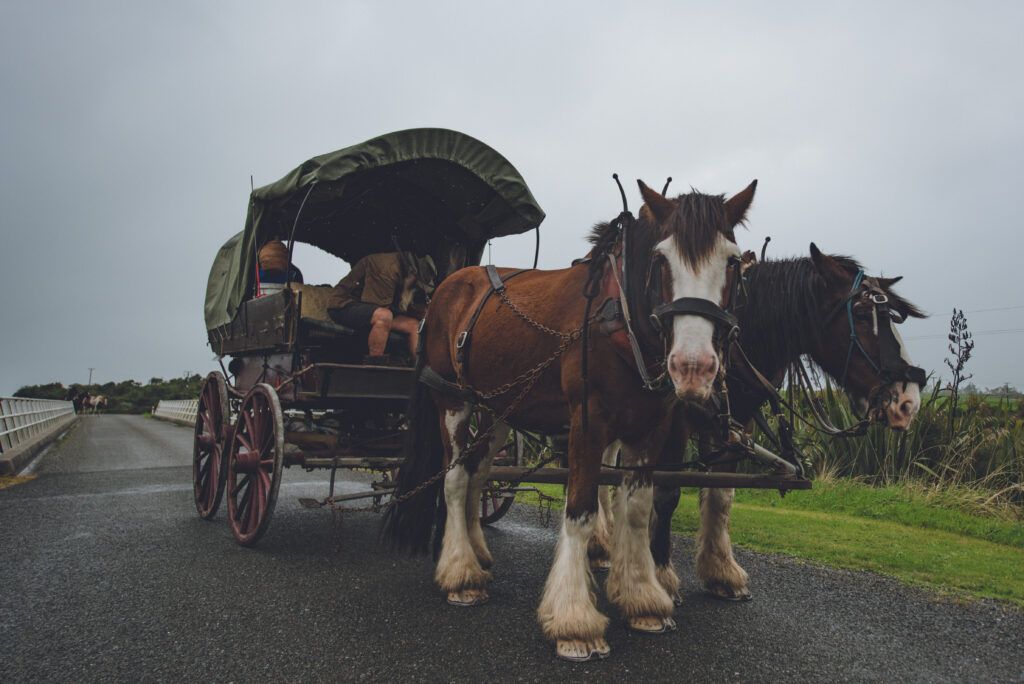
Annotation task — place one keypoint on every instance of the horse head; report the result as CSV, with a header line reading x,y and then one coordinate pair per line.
x,y
860,344
690,243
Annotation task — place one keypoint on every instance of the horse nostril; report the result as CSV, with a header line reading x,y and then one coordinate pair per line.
x,y
907,408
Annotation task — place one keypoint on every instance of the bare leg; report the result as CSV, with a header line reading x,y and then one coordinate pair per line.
x,y
477,481
568,612
716,568
458,571
632,583
411,328
380,328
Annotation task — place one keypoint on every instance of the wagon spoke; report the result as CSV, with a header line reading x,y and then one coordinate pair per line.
x,y
262,489
204,469
255,507
267,444
244,440
264,479
238,486
267,463
244,505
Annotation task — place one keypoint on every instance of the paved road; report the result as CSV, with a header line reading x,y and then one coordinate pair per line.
x,y
107,574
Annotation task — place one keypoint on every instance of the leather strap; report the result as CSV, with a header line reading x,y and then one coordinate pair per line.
x,y
462,343
694,306
492,275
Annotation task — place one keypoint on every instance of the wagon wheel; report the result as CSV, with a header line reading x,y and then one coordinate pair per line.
x,y
254,464
213,418
494,504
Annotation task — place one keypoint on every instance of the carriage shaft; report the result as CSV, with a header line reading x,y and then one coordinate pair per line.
x,y
610,476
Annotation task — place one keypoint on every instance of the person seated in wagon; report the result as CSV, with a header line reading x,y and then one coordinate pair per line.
x,y
382,293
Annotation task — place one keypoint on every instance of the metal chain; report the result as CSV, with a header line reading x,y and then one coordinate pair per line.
x,y
528,380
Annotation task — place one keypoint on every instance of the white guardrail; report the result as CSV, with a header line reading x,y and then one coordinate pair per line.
x,y
23,419
183,410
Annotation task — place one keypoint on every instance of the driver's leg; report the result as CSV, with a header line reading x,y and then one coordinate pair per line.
x,y
410,326
380,327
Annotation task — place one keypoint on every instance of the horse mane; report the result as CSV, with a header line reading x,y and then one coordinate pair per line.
x,y
781,316
696,225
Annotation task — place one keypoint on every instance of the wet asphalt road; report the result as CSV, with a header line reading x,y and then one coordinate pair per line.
x,y
106,574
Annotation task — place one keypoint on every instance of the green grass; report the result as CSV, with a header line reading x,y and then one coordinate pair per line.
x,y
889,530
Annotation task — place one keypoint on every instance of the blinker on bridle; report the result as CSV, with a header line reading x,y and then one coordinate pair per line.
x,y
891,366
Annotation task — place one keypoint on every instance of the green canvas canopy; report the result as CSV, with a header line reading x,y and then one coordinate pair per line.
x,y
422,189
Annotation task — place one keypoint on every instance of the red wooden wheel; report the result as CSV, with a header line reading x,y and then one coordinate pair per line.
x,y
213,418
494,504
254,464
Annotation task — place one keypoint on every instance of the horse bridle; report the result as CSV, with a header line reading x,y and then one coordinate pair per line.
x,y
891,366
726,324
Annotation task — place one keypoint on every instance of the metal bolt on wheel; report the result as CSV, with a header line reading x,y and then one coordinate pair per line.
x,y
254,464
213,419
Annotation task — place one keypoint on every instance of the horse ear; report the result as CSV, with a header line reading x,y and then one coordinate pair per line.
x,y
661,208
736,207
886,283
828,268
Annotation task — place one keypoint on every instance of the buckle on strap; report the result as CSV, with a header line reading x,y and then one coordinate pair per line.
x,y
461,341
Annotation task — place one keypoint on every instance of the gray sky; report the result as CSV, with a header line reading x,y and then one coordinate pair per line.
x,y
888,131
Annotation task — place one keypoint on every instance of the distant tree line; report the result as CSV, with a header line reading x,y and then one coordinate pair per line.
x,y
127,396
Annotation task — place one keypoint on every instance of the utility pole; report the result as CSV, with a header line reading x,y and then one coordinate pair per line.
x,y
90,376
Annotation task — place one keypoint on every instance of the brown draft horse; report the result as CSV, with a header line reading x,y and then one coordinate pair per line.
x,y
691,240
790,311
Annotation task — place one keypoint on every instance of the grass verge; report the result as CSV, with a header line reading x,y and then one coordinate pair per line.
x,y
888,530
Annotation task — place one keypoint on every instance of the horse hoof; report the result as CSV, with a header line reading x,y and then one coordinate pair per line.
x,y
582,650
600,565
724,592
652,625
468,597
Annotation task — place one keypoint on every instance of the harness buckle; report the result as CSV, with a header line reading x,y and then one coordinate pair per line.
x,y
879,299
461,341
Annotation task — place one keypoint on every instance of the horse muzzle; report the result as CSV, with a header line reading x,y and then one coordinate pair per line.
x,y
693,375
904,401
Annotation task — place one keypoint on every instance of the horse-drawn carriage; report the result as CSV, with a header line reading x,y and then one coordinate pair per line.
x,y
296,391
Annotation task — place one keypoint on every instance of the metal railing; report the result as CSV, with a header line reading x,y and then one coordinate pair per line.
x,y
183,410
23,419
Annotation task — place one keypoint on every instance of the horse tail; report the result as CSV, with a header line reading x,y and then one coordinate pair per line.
x,y
408,524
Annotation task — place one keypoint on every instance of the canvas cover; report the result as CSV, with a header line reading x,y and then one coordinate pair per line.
x,y
420,188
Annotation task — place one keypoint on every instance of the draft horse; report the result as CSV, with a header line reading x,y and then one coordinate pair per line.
x,y
824,307
519,354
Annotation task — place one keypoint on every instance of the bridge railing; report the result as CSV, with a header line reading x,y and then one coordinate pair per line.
x,y
22,420
178,410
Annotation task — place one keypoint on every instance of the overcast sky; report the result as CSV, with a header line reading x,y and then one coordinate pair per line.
x,y
889,131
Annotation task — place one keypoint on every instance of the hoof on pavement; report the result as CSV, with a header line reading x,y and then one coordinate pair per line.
x,y
468,597
652,625
724,592
581,650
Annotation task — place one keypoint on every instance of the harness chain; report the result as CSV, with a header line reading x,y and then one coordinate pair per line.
x,y
528,380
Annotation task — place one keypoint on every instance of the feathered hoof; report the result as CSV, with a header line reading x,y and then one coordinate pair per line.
x,y
580,650
724,592
468,597
652,625
600,564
